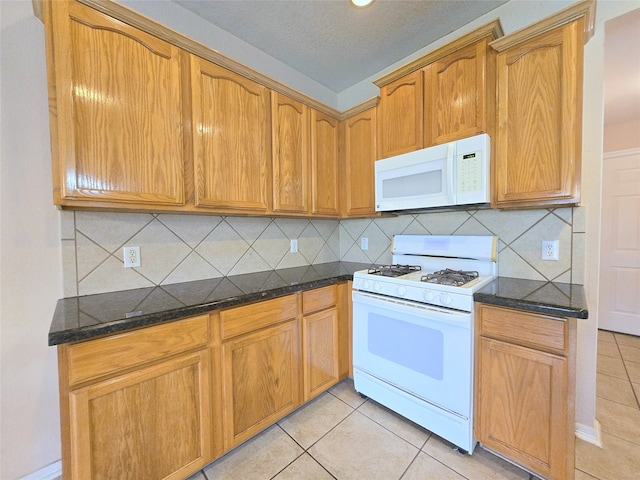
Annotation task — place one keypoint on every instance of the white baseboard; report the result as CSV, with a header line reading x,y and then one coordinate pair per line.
x,y
589,434
50,472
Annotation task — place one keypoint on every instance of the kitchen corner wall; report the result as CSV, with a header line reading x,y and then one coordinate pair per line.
x,y
181,248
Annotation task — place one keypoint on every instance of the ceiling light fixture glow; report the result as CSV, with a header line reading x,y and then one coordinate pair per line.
x,y
361,3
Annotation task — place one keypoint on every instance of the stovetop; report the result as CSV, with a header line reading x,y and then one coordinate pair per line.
x,y
438,280
445,276
393,270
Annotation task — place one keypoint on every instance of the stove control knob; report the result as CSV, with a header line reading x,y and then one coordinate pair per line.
x,y
402,291
365,284
445,299
428,295
377,287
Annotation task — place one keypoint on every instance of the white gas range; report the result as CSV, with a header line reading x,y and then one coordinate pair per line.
x,y
413,330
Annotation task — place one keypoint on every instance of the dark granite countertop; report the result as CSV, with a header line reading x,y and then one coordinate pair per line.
x,y
551,298
82,318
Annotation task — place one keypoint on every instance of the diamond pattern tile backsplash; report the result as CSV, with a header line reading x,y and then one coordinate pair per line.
x,y
180,248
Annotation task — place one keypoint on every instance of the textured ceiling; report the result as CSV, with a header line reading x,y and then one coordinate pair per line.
x,y
334,43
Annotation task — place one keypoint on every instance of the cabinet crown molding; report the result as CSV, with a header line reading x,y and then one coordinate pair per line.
x,y
493,30
586,9
162,32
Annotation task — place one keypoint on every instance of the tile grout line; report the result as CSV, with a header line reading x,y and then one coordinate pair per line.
x,y
624,364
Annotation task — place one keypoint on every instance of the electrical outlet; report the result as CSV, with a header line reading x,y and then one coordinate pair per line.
x,y
364,243
550,250
131,257
294,245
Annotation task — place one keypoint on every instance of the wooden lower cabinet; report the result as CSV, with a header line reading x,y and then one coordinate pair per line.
x,y
131,407
261,380
163,401
320,345
525,389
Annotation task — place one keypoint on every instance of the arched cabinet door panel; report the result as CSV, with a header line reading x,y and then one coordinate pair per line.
x,y
538,148
116,110
231,139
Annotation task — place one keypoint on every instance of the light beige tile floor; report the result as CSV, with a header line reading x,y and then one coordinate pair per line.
x,y
617,410
339,435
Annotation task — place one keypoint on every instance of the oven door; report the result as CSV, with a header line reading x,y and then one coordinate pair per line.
x,y
423,350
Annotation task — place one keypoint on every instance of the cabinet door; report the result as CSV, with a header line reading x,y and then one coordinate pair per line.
x,y
231,139
290,138
522,406
400,117
324,164
153,423
455,95
116,111
359,157
538,150
321,308
320,351
261,380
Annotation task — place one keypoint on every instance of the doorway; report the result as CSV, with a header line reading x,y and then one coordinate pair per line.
x,y
619,301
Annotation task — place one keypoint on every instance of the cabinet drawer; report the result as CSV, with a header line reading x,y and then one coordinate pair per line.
x,y
536,330
110,354
319,299
248,318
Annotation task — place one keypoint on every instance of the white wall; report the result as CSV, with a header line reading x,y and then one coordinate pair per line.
x,y
622,136
30,278
592,150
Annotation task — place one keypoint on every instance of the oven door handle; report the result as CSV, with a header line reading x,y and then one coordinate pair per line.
x,y
462,319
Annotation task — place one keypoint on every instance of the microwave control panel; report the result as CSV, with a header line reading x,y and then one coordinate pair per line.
x,y
469,172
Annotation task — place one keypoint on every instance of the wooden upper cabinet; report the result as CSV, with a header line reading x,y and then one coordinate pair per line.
x,y
359,140
458,99
400,116
324,164
290,143
446,95
231,140
537,153
115,109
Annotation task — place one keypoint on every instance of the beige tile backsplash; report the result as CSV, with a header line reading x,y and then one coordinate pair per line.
x,y
180,248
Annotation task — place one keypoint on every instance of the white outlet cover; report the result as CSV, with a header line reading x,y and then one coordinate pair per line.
x,y
131,257
550,250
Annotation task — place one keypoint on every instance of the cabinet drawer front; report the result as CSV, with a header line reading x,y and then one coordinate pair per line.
x,y
526,328
117,352
319,299
237,321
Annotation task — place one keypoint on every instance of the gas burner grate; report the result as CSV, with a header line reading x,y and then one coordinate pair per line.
x,y
393,270
447,276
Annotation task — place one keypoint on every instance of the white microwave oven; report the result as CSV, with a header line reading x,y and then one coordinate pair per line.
x,y
455,173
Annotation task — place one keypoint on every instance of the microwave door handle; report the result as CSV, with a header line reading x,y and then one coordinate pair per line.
x,y
450,191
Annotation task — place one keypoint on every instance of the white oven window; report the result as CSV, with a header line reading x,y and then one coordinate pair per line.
x,y
424,183
407,344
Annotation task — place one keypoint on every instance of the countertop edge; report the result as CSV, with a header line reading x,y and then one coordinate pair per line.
x,y
126,324
545,297
530,306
